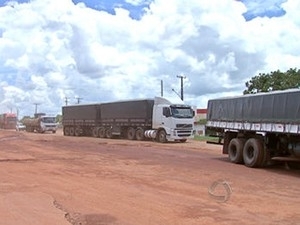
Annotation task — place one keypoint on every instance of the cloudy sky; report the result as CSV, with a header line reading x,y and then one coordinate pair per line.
x,y
86,51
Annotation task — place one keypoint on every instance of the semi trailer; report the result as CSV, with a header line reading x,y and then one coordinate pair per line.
x,y
139,119
41,124
257,129
8,121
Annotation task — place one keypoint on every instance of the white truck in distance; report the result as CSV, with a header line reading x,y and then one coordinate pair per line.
x,y
41,124
156,119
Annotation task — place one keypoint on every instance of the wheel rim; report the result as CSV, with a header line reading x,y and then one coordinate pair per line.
x,y
250,153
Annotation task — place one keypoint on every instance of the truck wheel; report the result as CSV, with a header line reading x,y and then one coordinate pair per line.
x,y
235,150
139,134
293,165
101,132
67,131
72,131
253,153
130,133
95,132
77,131
161,137
109,133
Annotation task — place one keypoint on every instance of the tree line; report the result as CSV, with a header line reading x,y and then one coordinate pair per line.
x,y
273,81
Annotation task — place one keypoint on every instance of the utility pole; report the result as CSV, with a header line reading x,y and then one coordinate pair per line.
x,y
36,104
161,88
78,100
181,79
66,100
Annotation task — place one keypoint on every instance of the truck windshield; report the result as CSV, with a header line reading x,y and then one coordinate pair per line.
x,y
180,112
48,119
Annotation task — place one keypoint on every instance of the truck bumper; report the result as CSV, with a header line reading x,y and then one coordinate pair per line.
x,y
180,135
50,128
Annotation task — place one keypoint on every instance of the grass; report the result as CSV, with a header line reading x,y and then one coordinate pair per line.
x,y
205,138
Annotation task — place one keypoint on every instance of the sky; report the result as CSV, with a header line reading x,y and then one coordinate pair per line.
x,y
58,52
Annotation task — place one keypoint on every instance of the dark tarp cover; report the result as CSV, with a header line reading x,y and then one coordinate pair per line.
x,y
135,109
81,112
279,106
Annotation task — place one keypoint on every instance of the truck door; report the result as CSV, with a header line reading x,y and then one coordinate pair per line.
x,y
167,119
162,118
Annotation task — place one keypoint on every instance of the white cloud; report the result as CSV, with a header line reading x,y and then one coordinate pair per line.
x,y
53,49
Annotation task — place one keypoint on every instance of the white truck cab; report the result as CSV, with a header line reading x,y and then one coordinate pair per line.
x,y
48,123
172,122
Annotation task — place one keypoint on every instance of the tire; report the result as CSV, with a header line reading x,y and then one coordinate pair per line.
x,y
254,153
161,136
108,133
77,132
235,150
293,165
139,134
72,131
102,132
66,131
130,133
95,132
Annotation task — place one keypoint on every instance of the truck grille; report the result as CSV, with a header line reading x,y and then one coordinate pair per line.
x,y
184,126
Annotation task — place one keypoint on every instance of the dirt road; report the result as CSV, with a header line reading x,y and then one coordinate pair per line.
x,y
49,179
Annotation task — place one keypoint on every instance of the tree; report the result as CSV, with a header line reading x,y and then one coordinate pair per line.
x,y
59,118
276,80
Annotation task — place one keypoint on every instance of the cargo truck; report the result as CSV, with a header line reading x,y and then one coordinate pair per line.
x,y
8,121
41,124
257,129
156,119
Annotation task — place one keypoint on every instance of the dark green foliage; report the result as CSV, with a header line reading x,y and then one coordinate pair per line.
x,y
58,118
276,80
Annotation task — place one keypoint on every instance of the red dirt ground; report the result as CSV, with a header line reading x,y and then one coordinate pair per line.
x,y
49,179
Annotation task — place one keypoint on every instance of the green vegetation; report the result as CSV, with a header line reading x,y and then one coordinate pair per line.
x,y
205,138
202,121
273,81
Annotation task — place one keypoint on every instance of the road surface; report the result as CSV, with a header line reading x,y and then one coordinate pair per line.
x,y
50,179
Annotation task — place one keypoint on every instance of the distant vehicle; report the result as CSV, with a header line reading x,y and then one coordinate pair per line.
x,y
156,119
41,124
20,127
8,121
258,128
